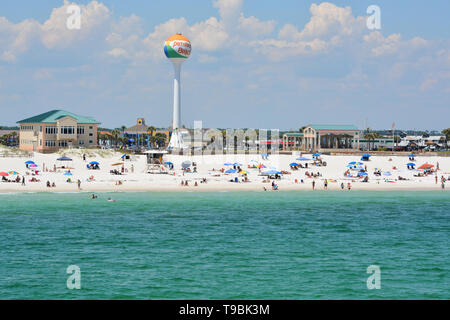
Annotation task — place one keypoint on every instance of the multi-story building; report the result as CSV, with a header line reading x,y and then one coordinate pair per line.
x,y
50,131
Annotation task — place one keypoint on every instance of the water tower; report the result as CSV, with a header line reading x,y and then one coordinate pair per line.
x,y
177,48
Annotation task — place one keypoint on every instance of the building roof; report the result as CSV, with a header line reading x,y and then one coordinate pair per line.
x,y
334,127
54,115
294,134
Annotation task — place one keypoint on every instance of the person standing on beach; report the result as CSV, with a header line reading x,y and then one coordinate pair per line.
x,y
443,185
436,178
349,186
325,184
313,184
84,157
342,186
23,180
79,184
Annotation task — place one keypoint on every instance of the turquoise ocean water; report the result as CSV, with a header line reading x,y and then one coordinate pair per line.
x,y
246,245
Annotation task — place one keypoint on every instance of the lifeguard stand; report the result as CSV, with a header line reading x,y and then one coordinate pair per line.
x,y
155,161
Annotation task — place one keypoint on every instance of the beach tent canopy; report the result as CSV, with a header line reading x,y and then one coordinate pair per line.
x,y
64,159
227,164
230,171
365,157
29,162
264,154
303,159
94,162
412,155
237,164
293,164
68,174
186,164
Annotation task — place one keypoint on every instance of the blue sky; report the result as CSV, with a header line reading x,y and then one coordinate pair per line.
x,y
254,63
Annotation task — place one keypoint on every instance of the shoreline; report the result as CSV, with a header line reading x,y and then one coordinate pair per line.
x,y
222,188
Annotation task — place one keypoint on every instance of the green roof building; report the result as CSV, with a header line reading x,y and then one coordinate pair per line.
x,y
50,131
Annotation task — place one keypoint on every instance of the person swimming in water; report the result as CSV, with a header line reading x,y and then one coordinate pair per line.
x,y
111,200
93,196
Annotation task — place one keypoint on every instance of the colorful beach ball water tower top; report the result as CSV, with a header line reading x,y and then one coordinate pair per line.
x,y
177,48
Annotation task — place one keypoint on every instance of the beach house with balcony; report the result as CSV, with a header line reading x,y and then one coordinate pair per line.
x,y
50,131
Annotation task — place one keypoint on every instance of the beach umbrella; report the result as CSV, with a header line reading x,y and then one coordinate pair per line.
x,y
64,159
315,155
426,166
33,165
264,154
387,174
411,164
366,155
243,172
412,155
3,174
117,164
303,159
254,161
13,173
227,164
293,164
186,164
94,162
123,156
271,172
230,171
168,163
262,166
354,163
237,164
29,162
68,174
361,174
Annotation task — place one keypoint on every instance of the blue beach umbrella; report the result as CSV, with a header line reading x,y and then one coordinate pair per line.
x,y
303,159
354,163
316,155
168,163
293,164
94,162
228,164
361,174
411,164
387,174
68,174
29,162
412,155
64,159
237,164
230,171
272,172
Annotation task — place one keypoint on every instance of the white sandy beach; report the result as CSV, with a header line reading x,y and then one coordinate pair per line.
x,y
139,180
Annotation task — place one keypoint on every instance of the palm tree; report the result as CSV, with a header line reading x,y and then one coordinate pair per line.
x,y
115,133
150,131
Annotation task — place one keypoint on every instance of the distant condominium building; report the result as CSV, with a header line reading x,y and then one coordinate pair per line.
x,y
50,131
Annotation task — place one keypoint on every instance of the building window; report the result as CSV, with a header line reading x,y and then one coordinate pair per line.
x,y
90,141
62,143
50,143
91,134
81,142
91,127
51,130
67,130
80,130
